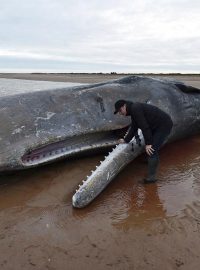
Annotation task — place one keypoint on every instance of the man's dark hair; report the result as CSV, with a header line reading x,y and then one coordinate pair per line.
x,y
119,104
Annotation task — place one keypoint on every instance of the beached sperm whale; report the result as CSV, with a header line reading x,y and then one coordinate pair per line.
x,y
39,127
181,102
44,126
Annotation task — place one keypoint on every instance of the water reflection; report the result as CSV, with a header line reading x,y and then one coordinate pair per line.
x,y
142,206
124,204
180,173
178,186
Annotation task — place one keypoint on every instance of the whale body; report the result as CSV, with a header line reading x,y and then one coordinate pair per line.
x,y
52,124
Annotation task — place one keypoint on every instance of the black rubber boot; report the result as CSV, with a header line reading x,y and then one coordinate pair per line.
x,y
152,168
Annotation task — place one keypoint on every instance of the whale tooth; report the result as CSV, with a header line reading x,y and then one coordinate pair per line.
x,y
76,190
79,186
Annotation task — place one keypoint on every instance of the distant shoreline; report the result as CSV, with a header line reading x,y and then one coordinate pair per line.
x,y
190,79
103,73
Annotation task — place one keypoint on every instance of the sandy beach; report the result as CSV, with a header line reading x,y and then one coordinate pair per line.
x,y
129,226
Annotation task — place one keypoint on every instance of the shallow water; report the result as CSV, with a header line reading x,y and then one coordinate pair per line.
x,y
36,213
129,226
126,201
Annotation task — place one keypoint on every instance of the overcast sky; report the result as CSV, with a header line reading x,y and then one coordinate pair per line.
x,y
100,36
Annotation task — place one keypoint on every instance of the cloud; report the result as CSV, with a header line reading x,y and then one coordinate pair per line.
x,y
100,36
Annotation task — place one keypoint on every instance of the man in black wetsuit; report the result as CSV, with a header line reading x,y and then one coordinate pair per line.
x,y
155,124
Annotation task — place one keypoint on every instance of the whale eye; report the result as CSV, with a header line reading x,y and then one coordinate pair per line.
x,y
100,101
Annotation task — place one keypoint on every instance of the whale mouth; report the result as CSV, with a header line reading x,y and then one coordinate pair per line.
x,y
70,147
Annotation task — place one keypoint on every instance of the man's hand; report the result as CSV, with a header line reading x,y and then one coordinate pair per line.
x,y
121,141
149,149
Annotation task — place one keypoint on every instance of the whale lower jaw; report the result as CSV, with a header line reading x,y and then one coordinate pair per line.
x,y
121,155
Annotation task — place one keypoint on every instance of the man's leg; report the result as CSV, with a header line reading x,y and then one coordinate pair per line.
x,y
153,163
159,137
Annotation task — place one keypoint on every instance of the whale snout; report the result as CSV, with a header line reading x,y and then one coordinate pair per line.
x,y
77,201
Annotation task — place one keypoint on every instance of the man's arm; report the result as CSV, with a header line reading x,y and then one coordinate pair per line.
x,y
142,123
133,131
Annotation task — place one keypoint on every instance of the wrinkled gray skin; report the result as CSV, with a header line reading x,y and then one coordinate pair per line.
x,y
41,127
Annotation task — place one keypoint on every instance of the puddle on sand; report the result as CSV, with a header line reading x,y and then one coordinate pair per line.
x,y
124,204
178,186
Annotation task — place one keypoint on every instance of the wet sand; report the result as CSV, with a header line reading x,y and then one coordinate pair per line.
x,y
193,80
129,226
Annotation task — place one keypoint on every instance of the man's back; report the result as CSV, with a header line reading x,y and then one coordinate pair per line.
x,y
146,115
